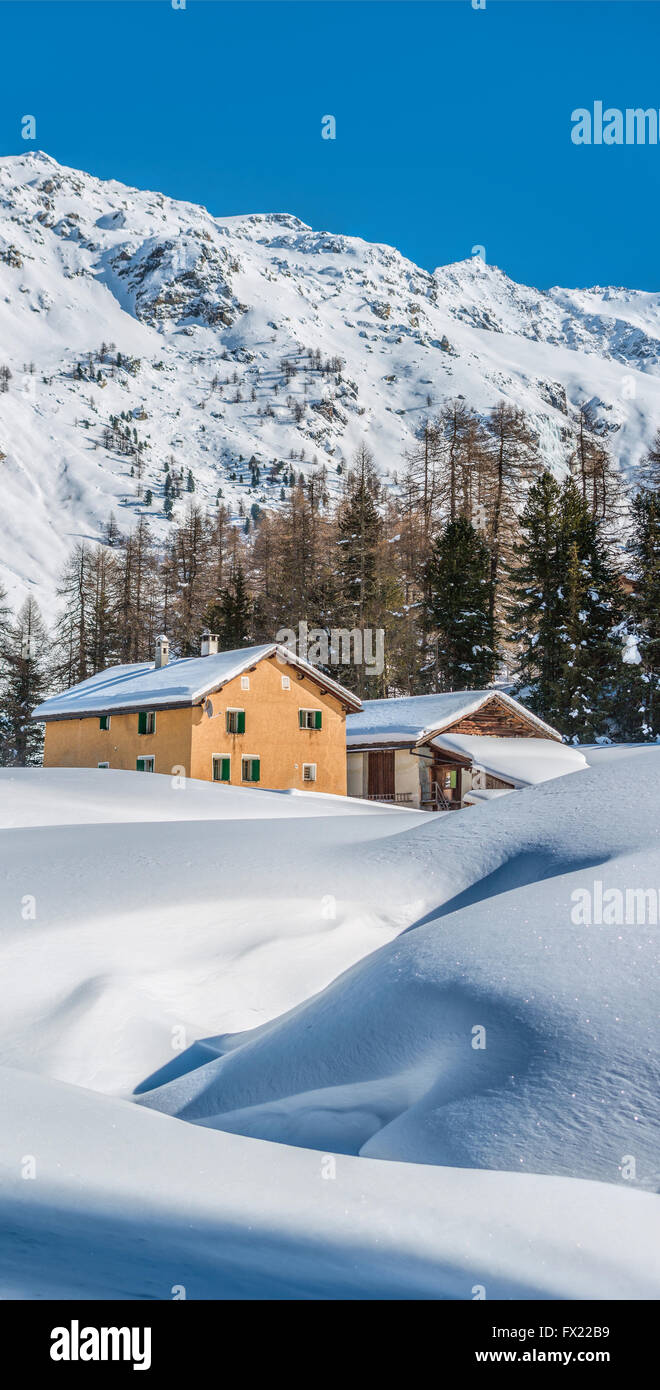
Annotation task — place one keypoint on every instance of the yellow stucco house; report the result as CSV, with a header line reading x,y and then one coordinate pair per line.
x,y
259,716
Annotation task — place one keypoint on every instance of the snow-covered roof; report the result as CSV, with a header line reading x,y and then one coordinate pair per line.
x,y
521,761
413,718
184,682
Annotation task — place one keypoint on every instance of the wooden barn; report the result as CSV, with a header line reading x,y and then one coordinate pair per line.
x,y
443,752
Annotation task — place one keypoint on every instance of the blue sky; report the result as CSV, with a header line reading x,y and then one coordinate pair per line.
x,y
453,124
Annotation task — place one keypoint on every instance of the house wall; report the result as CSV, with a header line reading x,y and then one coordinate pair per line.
x,y
466,781
272,732
188,738
80,742
406,774
356,770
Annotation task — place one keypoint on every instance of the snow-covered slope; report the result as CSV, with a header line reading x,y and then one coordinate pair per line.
x,y
123,943
500,1031
189,299
143,916
130,1204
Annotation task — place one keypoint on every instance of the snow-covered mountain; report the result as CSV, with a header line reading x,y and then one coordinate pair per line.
x,y
211,315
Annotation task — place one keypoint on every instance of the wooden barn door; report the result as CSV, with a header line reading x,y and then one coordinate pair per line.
x,y
381,774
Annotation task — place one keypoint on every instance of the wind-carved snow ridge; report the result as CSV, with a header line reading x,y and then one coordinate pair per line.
x,y
315,971
206,310
501,1031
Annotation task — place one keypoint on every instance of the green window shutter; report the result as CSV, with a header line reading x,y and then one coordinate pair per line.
x,y
142,721
225,770
104,721
139,765
318,718
241,721
256,768
301,718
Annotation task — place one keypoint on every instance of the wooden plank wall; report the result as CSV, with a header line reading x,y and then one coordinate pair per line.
x,y
497,721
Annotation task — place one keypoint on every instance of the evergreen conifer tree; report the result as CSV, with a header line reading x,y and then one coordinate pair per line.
x,y
458,609
23,687
536,612
231,615
567,613
643,703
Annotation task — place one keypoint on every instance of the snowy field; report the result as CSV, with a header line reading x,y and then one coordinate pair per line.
x,y
268,1045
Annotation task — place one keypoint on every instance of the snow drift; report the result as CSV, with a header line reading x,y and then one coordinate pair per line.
x,y
498,1032
139,913
130,1204
314,971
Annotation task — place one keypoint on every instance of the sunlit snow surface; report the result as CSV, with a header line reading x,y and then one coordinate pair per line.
x,y
312,971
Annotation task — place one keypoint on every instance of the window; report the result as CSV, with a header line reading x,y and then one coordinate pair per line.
x,y
250,769
245,682
221,768
144,765
104,721
103,764
449,779
310,718
235,721
286,682
309,772
147,721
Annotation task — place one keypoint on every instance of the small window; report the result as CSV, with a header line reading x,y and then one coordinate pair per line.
x,y
221,769
145,765
235,721
147,721
103,764
250,769
309,772
286,682
310,718
104,723
245,682
450,779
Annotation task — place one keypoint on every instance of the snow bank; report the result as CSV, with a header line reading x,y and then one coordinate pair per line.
x,y
496,1033
231,955
138,915
85,796
130,1204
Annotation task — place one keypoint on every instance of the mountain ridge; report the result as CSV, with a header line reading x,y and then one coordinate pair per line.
x,y
215,319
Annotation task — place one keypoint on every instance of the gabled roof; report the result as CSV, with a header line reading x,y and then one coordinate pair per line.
x,y
414,719
180,683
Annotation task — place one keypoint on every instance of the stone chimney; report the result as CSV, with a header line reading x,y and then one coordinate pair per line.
x,y
162,651
210,643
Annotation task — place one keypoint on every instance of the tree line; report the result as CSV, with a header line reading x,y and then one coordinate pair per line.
x,y
478,564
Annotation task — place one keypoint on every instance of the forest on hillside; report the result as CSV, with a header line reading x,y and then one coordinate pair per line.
x,y
476,562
